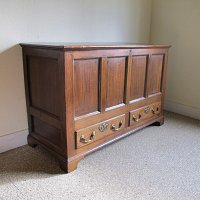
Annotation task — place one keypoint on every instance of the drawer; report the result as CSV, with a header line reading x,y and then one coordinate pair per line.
x,y
98,131
140,115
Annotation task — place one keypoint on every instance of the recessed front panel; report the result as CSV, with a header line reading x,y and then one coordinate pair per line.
x,y
155,74
86,86
115,81
138,77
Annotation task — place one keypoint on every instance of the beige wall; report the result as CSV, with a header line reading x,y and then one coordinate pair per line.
x,y
59,20
177,22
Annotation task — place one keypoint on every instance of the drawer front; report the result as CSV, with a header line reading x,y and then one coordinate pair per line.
x,y
98,131
140,115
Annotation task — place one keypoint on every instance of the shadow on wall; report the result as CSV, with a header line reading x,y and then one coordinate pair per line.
x,y
12,98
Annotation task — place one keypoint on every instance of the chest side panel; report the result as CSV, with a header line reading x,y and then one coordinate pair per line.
x,y
44,84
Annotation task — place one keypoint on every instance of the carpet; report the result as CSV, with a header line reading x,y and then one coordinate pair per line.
x,y
158,163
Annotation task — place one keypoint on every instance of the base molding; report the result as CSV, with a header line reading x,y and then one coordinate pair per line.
x,y
13,140
188,111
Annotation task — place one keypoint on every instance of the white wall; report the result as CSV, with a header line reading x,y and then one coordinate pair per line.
x,y
54,21
177,22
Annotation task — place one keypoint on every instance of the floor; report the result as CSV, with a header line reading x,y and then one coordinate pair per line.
x,y
155,163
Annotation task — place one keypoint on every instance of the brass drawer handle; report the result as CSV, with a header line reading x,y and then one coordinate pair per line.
x,y
85,141
155,111
113,126
146,110
103,127
137,119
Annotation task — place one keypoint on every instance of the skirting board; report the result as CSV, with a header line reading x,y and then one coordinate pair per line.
x,y
182,109
12,141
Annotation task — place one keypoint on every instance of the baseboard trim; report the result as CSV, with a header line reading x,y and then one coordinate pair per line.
x,y
12,141
182,109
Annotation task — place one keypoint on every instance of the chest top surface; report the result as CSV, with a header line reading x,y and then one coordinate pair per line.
x,y
87,46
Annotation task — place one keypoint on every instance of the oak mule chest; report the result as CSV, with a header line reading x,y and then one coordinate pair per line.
x,y
81,97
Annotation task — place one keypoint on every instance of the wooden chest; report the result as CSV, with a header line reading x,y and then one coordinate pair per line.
x,y
82,97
